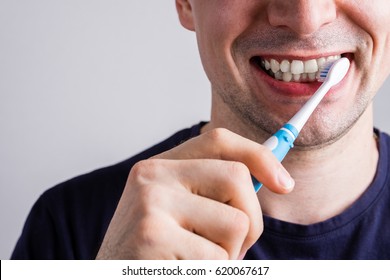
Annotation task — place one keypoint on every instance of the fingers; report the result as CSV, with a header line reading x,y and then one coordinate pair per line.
x,y
214,199
164,238
221,224
195,201
227,182
223,144
198,248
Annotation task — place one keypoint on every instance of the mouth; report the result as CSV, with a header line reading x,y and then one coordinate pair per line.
x,y
294,70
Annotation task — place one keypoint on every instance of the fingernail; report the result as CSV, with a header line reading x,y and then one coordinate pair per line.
x,y
285,179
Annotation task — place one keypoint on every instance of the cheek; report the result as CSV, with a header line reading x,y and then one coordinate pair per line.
x,y
384,61
218,23
377,22
372,15
373,18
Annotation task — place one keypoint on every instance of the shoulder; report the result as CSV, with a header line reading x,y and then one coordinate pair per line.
x,y
107,183
384,138
69,220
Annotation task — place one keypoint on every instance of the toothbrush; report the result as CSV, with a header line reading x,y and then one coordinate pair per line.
x,y
282,141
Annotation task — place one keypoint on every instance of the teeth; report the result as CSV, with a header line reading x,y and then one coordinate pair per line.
x,y
274,66
296,70
267,65
285,66
321,61
311,66
287,76
311,76
297,67
279,75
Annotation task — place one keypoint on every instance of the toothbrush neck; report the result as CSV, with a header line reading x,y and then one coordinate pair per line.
x,y
328,180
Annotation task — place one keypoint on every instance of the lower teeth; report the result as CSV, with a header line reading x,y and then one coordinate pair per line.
x,y
289,77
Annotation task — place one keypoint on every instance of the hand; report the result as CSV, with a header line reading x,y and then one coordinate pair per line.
x,y
195,201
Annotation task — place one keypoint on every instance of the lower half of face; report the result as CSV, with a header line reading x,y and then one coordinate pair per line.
x,y
264,78
264,102
263,72
327,124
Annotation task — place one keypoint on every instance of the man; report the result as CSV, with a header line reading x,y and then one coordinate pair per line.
x,y
191,196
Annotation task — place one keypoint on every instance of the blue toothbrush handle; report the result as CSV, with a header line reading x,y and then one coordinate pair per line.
x,y
279,143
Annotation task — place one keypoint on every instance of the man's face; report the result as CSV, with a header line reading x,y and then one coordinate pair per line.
x,y
240,39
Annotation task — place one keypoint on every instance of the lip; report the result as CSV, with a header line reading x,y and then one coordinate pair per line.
x,y
294,90
298,57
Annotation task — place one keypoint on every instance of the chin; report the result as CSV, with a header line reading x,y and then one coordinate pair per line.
x,y
315,138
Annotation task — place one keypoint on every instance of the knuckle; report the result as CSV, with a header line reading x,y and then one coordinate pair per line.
x,y
218,135
238,170
144,170
237,173
267,155
240,224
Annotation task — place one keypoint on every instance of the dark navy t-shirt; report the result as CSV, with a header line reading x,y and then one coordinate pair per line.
x,y
69,221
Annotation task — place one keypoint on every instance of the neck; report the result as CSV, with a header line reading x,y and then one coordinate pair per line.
x,y
327,180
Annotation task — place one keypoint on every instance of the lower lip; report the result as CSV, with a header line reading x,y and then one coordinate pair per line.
x,y
291,89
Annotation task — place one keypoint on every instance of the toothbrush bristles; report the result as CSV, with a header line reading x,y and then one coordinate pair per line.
x,y
324,70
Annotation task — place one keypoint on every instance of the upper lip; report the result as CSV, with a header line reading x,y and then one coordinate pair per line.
x,y
305,57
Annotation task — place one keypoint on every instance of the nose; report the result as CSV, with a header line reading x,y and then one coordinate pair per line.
x,y
302,16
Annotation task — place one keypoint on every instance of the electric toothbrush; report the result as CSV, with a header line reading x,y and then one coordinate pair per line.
x,y
282,141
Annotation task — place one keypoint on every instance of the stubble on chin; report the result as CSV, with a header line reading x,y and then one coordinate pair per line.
x,y
323,128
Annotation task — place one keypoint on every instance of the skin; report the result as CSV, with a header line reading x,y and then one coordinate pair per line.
x,y
336,155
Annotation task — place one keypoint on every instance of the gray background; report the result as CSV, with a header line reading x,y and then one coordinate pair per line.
x,y
87,83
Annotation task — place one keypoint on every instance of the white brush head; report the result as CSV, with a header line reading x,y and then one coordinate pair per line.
x,y
334,71
331,75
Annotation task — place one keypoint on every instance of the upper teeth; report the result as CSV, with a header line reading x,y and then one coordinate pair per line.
x,y
296,70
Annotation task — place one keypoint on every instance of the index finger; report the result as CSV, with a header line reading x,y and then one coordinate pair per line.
x,y
223,144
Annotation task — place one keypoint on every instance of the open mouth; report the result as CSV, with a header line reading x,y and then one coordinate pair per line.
x,y
299,71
